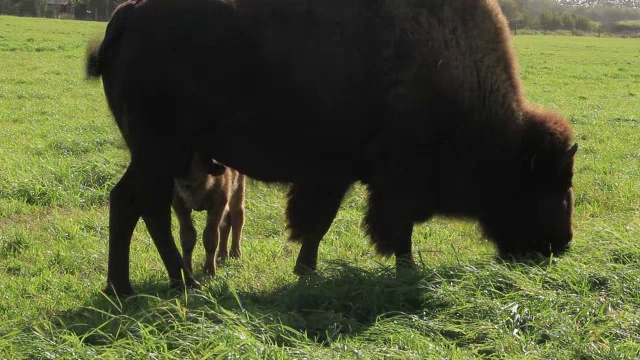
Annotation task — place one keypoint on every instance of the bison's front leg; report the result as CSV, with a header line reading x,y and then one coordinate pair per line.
x,y
389,220
310,211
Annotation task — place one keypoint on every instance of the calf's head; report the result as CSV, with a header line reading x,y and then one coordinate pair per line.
x,y
193,187
536,214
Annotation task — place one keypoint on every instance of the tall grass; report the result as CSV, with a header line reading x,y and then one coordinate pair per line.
x,y
60,154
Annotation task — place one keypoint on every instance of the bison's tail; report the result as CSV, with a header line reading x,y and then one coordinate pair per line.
x,y
94,63
97,50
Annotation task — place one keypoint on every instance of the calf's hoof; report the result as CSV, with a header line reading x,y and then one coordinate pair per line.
x,y
235,254
222,257
209,270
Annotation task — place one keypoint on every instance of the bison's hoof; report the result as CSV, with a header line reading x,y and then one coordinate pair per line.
x,y
120,290
194,284
405,264
304,270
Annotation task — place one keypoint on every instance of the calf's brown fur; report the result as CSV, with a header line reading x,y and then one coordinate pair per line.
x,y
222,197
420,100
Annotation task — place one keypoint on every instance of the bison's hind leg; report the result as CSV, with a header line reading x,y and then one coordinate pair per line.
x,y
310,211
144,191
123,217
155,187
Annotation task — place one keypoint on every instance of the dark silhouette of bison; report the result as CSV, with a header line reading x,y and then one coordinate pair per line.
x,y
221,195
420,100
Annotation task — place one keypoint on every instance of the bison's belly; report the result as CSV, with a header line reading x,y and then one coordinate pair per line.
x,y
289,148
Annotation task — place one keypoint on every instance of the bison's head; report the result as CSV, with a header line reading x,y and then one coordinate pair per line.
x,y
536,215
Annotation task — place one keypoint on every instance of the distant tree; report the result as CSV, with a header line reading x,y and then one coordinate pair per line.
x,y
584,23
568,21
36,5
27,7
550,20
509,9
511,12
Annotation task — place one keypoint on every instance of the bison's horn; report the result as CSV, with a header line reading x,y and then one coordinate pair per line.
x,y
568,157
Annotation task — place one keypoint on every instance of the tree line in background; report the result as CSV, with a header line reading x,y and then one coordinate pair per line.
x,y
98,10
582,15
546,15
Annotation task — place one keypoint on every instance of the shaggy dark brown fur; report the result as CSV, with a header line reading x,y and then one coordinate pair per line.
x,y
222,197
420,100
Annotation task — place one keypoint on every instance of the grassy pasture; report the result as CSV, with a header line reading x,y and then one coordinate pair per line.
x,y
60,154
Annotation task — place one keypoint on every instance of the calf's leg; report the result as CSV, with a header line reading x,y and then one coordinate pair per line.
x,y
211,235
311,209
225,230
188,235
236,214
237,223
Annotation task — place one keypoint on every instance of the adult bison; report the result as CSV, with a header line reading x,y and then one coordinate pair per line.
x,y
420,100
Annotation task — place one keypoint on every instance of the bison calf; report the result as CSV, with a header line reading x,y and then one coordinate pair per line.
x,y
219,191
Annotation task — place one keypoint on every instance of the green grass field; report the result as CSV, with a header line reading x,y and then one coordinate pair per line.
x,y
60,154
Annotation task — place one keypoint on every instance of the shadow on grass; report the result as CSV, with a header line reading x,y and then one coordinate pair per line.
x,y
343,302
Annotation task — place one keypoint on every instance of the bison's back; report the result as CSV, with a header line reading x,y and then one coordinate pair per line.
x,y
290,90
